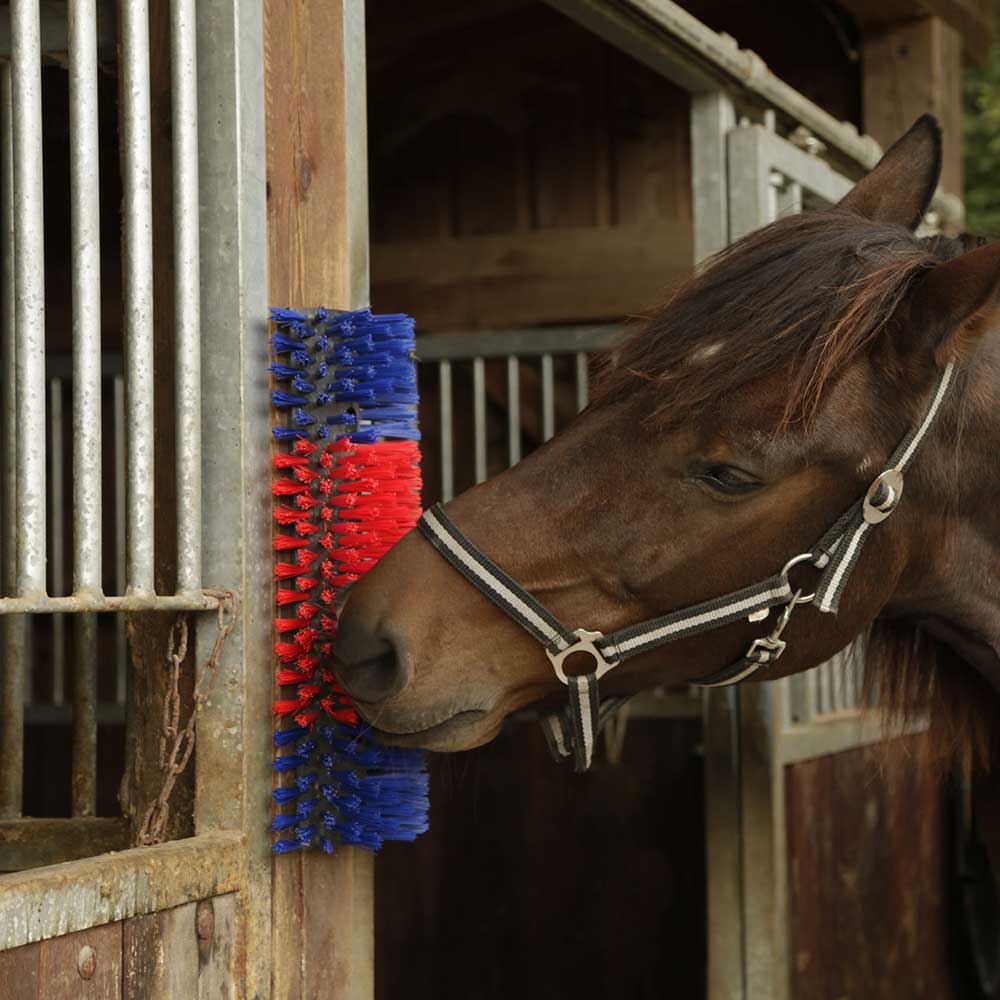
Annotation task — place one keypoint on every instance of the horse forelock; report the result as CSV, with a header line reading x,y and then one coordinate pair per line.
x,y
803,298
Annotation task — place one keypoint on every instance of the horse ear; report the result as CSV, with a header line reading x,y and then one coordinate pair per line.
x,y
900,186
959,302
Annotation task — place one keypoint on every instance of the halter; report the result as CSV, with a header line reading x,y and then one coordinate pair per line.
x,y
574,730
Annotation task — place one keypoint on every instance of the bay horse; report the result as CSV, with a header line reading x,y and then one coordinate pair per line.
x,y
726,435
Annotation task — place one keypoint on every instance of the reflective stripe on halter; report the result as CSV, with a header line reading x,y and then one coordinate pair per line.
x,y
573,731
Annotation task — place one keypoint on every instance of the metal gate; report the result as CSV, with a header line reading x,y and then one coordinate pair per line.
x,y
202,904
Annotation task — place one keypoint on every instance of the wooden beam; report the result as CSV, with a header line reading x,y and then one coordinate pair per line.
x,y
974,20
32,843
314,59
911,68
544,276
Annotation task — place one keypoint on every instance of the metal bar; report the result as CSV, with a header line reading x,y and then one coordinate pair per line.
x,y
84,771
85,212
12,630
56,34
514,410
712,117
83,894
57,515
8,381
479,416
548,398
447,448
137,291
29,297
133,601
582,381
525,343
121,639
187,291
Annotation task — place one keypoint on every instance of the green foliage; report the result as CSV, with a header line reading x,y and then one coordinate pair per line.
x,y
981,144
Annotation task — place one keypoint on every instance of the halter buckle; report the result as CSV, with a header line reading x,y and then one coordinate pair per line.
x,y
892,481
585,643
773,644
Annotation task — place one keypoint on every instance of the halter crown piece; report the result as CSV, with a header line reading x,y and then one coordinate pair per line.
x,y
573,731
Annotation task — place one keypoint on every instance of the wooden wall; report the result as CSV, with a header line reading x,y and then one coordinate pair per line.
x,y
536,882
522,170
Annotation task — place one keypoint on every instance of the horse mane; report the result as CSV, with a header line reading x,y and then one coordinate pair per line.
x,y
744,308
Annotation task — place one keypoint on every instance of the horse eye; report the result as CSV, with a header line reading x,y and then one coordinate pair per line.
x,y
729,479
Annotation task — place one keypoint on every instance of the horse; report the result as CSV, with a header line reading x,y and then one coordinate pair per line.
x,y
727,433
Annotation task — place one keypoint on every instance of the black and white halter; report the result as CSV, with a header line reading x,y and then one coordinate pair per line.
x,y
573,731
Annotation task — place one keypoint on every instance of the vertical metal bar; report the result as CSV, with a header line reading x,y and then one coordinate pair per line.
x,y
57,515
13,628
29,284
514,409
187,291
85,214
479,415
712,117
138,291
548,398
121,647
582,381
447,449
84,773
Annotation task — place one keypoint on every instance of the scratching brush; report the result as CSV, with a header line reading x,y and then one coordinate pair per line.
x,y
347,487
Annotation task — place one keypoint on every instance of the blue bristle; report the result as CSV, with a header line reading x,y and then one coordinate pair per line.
x,y
341,786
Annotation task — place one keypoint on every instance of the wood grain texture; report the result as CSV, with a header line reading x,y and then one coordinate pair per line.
x,y
318,254
868,879
912,68
61,960
19,972
160,955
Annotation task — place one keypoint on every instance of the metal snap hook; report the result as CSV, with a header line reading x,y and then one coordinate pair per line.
x,y
799,597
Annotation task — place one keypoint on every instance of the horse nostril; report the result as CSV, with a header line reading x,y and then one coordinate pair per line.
x,y
367,666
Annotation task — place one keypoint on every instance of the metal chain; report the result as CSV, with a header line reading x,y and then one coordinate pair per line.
x,y
177,742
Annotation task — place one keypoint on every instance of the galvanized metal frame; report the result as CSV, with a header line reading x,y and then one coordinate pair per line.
x,y
220,282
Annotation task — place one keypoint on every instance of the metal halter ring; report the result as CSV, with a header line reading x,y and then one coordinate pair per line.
x,y
799,597
585,643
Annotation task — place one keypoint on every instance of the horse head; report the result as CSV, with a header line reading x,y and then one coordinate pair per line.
x,y
726,434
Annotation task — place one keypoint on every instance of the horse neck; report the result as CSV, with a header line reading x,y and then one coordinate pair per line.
x,y
951,585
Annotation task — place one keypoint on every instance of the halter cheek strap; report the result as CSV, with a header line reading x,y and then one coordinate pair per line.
x,y
573,732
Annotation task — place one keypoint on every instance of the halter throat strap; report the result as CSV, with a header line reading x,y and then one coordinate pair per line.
x,y
573,732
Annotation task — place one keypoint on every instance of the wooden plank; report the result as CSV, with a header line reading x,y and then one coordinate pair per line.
x,y
556,275
19,972
160,954
218,949
86,965
81,894
31,843
974,20
318,253
868,897
911,68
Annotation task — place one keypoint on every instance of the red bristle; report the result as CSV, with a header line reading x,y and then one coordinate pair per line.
x,y
306,719
289,542
348,715
287,624
305,502
306,528
306,611
288,515
284,597
287,487
285,571
285,707
304,639
328,624
303,446
286,461
306,583
307,664
287,676
307,692
287,651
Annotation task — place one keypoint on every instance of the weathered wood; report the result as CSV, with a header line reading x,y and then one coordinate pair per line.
x,y
31,843
19,972
974,20
81,894
160,955
550,275
318,254
219,975
911,68
868,849
86,965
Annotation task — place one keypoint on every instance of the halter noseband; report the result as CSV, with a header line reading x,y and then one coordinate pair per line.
x,y
573,731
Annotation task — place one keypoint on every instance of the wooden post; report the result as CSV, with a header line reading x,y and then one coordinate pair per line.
x,y
913,67
322,907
